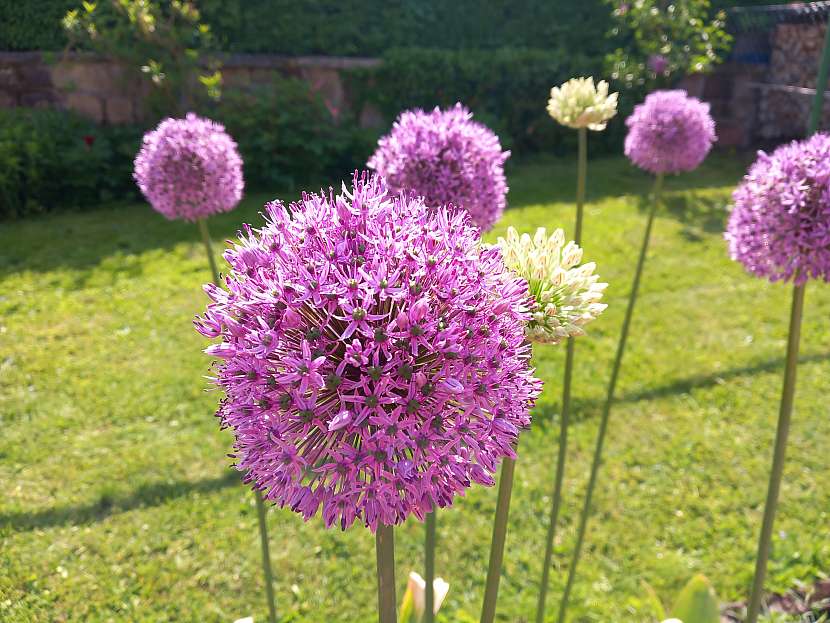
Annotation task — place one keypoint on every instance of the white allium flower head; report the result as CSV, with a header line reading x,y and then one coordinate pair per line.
x,y
567,294
580,104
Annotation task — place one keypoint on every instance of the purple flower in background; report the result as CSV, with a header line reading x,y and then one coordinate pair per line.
x,y
189,168
447,158
657,63
373,355
669,132
780,224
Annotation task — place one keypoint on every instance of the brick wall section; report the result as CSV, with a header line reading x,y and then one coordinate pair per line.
x,y
106,92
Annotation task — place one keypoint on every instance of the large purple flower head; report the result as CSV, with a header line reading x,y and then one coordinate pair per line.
x,y
373,355
447,158
189,168
780,224
669,132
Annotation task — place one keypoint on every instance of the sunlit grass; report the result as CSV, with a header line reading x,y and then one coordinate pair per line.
x,y
118,503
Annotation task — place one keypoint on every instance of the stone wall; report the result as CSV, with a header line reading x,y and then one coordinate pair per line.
x,y
107,92
768,101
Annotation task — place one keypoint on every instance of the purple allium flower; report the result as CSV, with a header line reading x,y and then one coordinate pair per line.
x,y
447,158
657,63
780,224
374,361
669,132
189,168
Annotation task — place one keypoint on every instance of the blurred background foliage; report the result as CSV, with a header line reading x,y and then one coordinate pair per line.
x,y
500,59
359,27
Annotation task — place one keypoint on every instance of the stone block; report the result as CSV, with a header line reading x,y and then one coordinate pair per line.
x,y
35,76
9,80
38,98
90,77
87,104
8,100
236,77
119,109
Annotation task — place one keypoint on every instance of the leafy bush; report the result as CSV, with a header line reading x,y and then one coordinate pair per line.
x,y
658,44
164,42
53,159
287,136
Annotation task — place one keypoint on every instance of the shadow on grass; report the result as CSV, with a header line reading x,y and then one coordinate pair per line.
x,y
553,180
582,409
144,496
159,493
81,239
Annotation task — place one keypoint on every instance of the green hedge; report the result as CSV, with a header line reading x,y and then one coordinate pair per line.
x,y
52,159
358,27
33,24
56,160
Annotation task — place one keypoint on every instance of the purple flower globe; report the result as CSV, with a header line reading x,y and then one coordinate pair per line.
x,y
447,158
779,227
189,169
657,63
669,132
372,355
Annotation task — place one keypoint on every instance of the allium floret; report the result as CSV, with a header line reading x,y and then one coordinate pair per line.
x,y
779,227
374,362
189,169
669,132
566,293
578,103
448,159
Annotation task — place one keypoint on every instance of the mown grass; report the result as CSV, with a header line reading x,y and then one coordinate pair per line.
x,y
118,504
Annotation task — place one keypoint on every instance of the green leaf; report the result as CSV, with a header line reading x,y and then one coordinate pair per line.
x,y
653,600
407,609
697,602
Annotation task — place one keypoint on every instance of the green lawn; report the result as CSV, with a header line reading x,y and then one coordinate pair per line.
x,y
118,504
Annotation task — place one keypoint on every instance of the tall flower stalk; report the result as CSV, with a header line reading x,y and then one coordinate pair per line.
x,y
668,133
385,550
267,572
566,296
609,398
588,99
448,159
429,568
372,357
491,586
189,169
780,229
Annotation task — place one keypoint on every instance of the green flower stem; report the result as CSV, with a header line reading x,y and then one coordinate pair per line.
x,y
260,504
582,169
788,392
385,550
779,455
609,399
203,228
266,557
491,590
581,175
429,569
